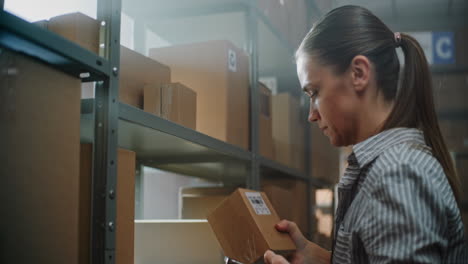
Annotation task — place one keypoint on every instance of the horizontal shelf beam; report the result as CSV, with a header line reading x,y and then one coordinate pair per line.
x,y
268,164
139,117
29,39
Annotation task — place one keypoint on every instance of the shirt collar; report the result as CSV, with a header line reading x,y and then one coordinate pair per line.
x,y
369,149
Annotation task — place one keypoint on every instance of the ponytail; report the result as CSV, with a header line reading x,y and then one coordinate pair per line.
x,y
414,107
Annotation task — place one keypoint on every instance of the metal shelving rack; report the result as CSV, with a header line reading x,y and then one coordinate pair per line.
x,y
110,124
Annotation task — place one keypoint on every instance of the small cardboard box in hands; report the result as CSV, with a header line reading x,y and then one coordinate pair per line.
x,y
244,224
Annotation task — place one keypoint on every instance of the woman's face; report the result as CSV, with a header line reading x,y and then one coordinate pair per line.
x,y
333,102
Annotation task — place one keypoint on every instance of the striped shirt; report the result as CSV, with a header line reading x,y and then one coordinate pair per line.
x,y
395,205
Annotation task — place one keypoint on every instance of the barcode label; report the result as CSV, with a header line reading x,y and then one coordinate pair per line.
x,y
257,203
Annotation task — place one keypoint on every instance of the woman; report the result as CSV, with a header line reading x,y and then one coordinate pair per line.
x,y
398,197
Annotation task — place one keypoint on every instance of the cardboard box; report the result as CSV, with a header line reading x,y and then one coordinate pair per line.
x,y
39,162
152,98
176,242
197,202
325,160
254,219
219,73
136,71
179,104
285,118
289,198
78,28
450,91
265,132
125,195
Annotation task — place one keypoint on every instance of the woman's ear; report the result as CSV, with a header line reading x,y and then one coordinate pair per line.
x,y
360,69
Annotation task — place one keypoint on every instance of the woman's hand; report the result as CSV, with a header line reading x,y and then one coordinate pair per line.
x,y
306,252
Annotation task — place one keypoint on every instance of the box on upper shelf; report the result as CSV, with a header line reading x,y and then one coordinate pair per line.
x,y
265,130
219,73
79,28
172,101
39,162
254,219
125,203
179,104
136,71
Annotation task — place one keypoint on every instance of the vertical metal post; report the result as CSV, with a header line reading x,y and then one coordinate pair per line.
x,y
104,183
252,43
2,4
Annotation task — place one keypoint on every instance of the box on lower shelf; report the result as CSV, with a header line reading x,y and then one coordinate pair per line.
x,y
176,241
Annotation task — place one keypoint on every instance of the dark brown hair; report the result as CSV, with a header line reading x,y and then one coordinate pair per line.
x,y
348,31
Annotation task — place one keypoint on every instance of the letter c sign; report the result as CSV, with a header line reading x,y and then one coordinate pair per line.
x,y
443,47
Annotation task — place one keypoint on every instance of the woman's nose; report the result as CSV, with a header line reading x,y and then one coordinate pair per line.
x,y
313,112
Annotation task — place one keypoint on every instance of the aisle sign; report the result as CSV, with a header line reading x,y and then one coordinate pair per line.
x,y
443,45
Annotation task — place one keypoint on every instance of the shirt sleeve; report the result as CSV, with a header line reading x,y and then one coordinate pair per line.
x,y
404,221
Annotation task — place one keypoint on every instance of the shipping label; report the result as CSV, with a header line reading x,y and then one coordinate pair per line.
x,y
258,204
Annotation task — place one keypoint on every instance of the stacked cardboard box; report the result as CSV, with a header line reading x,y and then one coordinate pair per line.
x,y
136,72
266,143
78,28
39,163
218,72
254,219
197,202
289,198
287,131
125,200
